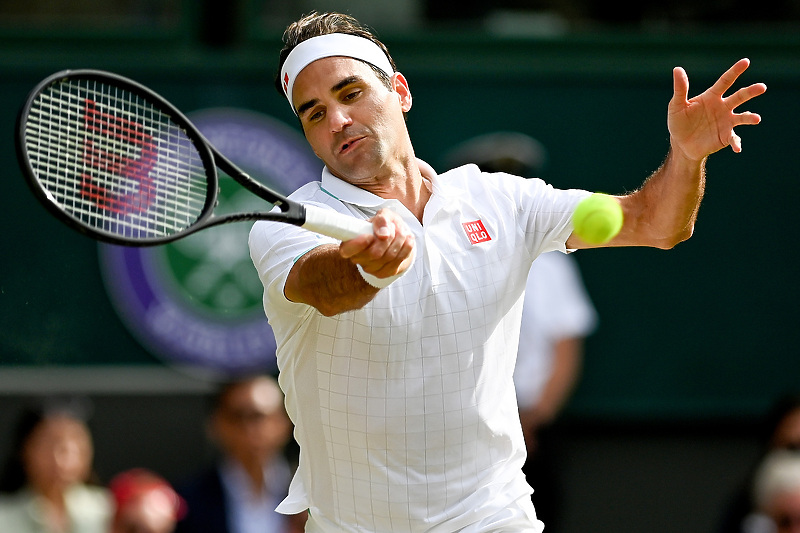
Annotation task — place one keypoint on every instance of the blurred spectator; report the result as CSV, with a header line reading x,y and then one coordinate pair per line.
x,y
557,316
239,494
780,431
48,483
783,424
501,151
776,495
144,503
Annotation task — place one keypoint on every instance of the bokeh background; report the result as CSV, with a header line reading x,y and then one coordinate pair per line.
x,y
694,344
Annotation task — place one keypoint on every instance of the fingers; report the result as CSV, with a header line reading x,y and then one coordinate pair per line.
x,y
385,253
704,124
729,77
735,142
748,119
397,258
745,94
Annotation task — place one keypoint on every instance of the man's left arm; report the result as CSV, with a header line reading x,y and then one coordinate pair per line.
x,y
662,213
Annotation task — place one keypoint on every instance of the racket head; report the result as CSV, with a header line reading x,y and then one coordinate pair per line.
x,y
114,160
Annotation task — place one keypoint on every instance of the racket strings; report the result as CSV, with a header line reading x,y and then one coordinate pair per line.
x,y
114,161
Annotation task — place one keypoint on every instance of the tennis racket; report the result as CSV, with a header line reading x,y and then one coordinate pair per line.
x,y
117,162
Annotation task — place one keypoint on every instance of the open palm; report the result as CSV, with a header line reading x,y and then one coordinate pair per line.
x,y
704,124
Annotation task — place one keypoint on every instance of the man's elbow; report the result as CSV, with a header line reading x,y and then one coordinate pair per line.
x,y
329,308
329,312
675,239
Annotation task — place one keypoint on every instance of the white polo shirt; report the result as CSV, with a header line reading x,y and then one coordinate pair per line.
x,y
405,409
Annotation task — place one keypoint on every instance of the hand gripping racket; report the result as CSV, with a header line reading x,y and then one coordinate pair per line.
x,y
116,161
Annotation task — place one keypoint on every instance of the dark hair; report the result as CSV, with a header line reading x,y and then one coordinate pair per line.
x,y
782,407
314,25
13,476
224,388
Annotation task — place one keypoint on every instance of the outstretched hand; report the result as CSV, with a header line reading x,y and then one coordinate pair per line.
x,y
704,124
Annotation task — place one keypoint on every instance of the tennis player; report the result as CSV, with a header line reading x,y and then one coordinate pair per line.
x,y
396,350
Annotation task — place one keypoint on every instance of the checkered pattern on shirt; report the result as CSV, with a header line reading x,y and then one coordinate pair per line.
x,y
406,407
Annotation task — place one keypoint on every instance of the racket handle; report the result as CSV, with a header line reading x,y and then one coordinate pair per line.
x,y
334,224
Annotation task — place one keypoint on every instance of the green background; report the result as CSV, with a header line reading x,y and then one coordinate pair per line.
x,y
705,330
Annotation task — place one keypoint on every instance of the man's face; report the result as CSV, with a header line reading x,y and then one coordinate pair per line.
x,y
352,121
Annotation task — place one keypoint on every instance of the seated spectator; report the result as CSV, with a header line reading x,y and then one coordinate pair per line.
x,y
239,494
776,495
47,483
780,431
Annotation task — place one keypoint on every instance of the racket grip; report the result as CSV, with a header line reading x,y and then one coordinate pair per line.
x,y
333,224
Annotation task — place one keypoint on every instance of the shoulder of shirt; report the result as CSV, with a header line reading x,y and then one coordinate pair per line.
x,y
470,177
457,179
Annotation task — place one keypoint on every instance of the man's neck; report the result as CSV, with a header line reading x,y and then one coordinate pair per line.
x,y
409,185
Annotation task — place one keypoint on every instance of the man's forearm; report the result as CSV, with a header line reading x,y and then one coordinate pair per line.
x,y
662,213
323,279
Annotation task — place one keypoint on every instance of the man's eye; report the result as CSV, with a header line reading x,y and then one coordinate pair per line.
x,y
351,95
315,116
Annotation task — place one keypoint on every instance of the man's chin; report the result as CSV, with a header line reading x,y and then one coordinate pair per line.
x,y
351,174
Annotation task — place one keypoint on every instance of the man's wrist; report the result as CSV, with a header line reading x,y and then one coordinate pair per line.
x,y
378,283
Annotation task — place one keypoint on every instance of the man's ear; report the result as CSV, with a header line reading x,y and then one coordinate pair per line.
x,y
400,86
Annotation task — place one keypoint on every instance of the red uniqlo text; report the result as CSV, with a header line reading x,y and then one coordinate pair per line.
x,y
476,232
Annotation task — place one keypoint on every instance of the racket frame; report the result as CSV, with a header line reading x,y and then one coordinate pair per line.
x,y
289,211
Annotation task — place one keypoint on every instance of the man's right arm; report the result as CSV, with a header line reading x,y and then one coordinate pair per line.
x,y
328,279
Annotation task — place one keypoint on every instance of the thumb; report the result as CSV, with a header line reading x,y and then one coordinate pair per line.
x,y
680,86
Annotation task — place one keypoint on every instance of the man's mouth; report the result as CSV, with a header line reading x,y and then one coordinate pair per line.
x,y
349,144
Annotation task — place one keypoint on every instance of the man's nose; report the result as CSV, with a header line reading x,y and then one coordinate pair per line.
x,y
339,118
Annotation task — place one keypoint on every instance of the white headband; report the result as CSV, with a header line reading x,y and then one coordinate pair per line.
x,y
330,45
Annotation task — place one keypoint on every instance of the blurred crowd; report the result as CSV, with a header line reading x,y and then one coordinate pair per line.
x,y
48,483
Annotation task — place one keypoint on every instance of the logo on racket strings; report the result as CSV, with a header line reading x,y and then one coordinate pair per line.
x,y
106,137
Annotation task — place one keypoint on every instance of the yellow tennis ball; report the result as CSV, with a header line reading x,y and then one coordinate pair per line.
x,y
597,219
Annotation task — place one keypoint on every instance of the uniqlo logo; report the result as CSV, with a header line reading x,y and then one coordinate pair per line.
x,y
476,232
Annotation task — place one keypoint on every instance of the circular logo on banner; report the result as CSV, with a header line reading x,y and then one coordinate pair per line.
x,y
197,302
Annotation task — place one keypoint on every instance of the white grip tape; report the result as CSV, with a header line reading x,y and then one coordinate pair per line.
x,y
333,224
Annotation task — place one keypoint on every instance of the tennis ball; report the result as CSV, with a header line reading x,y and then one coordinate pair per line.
x,y
597,219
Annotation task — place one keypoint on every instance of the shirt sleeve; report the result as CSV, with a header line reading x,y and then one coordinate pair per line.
x,y
274,249
545,212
